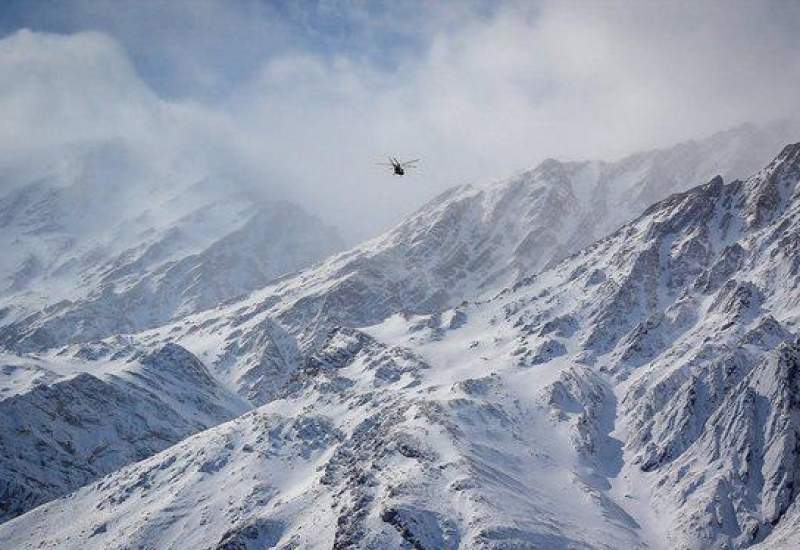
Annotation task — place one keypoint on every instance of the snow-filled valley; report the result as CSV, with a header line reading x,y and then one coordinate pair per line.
x,y
586,355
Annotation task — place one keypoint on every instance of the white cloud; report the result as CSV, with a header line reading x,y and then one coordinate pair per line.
x,y
65,94
480,94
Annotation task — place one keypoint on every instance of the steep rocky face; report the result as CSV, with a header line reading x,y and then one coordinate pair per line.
x,y
750,443
695,325
65,429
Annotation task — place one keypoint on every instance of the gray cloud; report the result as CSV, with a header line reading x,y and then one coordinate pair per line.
x,y
478,92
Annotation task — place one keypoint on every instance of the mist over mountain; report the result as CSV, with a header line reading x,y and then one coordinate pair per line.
x,y
573,323
469,241
306,98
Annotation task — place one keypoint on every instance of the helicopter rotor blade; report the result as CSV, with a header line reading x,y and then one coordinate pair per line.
x,y
409,162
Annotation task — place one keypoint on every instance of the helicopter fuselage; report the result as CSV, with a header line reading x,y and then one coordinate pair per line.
x,y
399,168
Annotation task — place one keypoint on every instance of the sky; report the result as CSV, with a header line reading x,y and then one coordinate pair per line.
x,y
300,100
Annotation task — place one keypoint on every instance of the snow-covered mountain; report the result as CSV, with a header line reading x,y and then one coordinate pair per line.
x,y
91,254
640,393
196,246
99,244
371,448
469,242
62,427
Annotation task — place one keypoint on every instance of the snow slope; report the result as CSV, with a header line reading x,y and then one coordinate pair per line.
x,y
62,427
364,451
640,393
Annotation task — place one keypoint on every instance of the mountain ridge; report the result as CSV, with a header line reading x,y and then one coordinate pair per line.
x,y
634,393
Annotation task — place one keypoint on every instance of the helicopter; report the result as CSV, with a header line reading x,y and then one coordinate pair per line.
x,y
399,168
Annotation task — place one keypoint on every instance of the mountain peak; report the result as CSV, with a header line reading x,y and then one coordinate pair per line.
x,y
790,154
